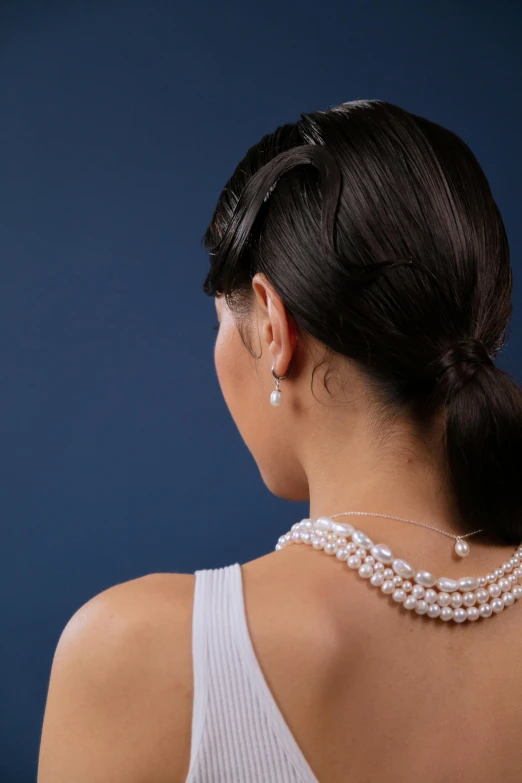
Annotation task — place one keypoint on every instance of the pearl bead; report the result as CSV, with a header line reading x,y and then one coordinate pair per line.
x,y
361,539
306,537
410,602
369,559
402,568
366,571
330,547
379,567
430,596
456,600
354,561
389,573
444,599
482,595
397,580
377,578
360,552
278,547
407,586
382,553
472,613
351,547
331,536
342,553
485,610
387,586
482,581
504,584
422,606
425,579
497,604
447,585
462,548
433,610
418,591
318,542
499,572
490,578
399,595
467,583
296,536
494,590
343,528
324,523
508,599
446,613
459,615
469,599
516,590
275,398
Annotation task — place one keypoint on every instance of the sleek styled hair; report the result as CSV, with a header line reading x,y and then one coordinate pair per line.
x,y
384,242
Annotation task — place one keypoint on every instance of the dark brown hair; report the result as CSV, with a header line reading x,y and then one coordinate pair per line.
x,y
378,230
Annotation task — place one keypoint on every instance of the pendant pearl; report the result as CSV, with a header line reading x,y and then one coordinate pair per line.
x,y
462,548
275,398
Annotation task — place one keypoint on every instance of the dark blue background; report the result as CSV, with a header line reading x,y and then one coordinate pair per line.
x,y
119,125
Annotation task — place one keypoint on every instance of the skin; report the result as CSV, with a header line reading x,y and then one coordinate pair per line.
x,y
370,692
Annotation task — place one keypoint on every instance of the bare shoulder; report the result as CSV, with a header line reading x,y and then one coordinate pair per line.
x,y
292,611
119,704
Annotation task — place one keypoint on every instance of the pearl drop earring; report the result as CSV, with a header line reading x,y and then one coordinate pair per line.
x,y
275,397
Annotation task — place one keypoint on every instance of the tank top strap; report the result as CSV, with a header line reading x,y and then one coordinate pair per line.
x,y
238,733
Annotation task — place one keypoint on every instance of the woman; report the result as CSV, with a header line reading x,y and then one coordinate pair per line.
x,y
361,276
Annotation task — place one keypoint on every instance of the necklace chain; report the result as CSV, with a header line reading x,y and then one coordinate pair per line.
x,y
401,519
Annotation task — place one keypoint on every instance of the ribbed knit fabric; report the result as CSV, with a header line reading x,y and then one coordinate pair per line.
x,y
238,732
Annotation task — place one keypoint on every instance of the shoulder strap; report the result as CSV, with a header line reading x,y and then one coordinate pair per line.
x,y
238,733
199,662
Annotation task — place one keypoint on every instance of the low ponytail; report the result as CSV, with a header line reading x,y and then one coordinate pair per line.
x,y
482,440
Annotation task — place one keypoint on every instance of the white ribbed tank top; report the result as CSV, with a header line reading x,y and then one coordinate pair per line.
x,y
238,732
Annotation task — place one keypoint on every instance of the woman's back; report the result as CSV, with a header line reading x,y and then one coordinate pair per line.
x,y
370,691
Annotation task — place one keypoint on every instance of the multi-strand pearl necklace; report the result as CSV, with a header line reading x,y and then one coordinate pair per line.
x,y
467,598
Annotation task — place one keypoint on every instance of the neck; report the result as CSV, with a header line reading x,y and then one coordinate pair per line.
x,y
424,501
406,481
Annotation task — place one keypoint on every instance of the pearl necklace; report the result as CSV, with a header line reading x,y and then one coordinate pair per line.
x,y
467,598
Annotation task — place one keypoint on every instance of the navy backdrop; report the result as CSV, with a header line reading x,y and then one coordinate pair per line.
x,y
120,123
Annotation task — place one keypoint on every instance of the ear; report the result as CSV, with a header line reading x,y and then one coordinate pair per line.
x,y
276,327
